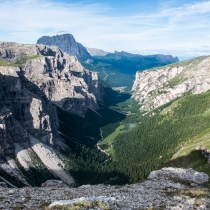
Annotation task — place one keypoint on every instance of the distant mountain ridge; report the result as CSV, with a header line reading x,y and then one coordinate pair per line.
x,y
66,43
96,52
118,68
162,58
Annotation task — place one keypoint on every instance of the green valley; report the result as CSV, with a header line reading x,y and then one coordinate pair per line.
x,y
166,136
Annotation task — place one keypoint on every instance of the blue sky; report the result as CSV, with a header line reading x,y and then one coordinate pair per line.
x,y
174,27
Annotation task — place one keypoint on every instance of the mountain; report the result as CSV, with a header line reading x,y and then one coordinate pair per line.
x,y
96,52
156,87
35,81
66,43
118,68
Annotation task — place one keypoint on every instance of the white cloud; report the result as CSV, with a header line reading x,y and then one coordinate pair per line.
x,y
94,25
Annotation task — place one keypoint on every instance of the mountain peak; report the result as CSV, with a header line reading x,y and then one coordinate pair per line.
x,y
97,52
67,43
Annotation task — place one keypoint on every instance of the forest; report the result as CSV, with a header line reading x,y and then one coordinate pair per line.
x,y
144,148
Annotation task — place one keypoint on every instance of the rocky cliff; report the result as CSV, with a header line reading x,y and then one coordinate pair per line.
x,y
33,79
67,43
55,76
155,87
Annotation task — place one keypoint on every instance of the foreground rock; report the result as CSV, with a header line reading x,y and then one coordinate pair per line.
x,y
189,176
165,189
54,183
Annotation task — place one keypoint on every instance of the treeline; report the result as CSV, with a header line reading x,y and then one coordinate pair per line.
x,y
90,166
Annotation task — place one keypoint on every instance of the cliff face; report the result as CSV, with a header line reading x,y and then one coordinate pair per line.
x,y
156,87
67,43
34,78
55,75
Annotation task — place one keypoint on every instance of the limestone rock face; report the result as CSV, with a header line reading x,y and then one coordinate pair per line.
x,y
156,87
13,51
67,43
56,76
33,80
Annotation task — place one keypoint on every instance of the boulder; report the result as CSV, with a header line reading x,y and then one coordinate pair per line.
x,y
54,183
181,175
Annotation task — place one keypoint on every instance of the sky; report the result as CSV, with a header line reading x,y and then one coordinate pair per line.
x,y
177,27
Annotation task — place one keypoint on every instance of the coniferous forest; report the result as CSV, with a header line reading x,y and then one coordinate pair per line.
x,y
156,137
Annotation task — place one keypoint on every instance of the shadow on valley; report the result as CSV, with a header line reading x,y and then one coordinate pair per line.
x,y
193,160
86,130
112,97
85,176
34,177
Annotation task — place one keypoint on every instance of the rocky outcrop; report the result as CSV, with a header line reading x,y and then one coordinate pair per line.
x,y
96,52
188,176
155,87
53,74
35,79
66,43
12,51
54,183
169,188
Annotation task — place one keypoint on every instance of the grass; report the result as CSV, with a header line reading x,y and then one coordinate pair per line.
x,y
5,63
190,193
189,157
82,205
192,62
109,139
21,62
175,81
